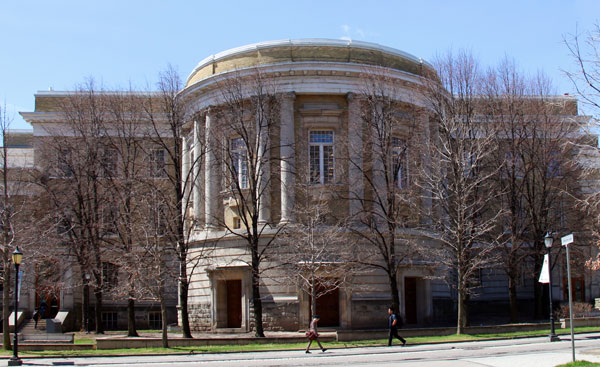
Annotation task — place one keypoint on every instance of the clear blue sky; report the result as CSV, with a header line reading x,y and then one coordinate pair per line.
x,y
59,43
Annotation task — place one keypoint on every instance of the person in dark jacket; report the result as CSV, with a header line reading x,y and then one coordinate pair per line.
x,y
41,313
393,324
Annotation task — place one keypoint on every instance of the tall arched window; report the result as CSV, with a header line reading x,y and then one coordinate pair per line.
x,y
321,157
239,162
400,162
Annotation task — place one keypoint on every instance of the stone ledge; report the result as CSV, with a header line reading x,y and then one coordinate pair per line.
x,y
119,343
348,335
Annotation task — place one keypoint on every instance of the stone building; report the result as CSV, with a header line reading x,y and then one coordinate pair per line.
x,y
302,106
321,87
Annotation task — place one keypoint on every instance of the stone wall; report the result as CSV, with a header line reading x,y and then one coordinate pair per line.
x,y
199,316
281,316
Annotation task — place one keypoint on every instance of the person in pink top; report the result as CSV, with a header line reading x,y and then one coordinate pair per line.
x,y
313,334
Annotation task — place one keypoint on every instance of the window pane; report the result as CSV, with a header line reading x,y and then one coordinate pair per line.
x,y
315,172
109,163
239,162
157,163
321,136
328,168
399,162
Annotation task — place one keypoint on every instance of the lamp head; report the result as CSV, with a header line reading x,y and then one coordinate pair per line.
x,y
17,256
548,240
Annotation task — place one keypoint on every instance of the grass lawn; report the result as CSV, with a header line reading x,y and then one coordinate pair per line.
x,y
82,338
579,364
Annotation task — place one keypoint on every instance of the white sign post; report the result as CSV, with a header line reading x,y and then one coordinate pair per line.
x,y
565,241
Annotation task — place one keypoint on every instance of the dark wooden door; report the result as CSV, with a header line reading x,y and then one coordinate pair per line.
x,y
234,303
578,291
410,300
328,308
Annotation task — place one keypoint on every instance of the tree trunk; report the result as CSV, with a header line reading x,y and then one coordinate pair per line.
x,y
538,292
98,311
462,312
85,305
394,290
512,298
259,332
313,298
6,309
131,329
163,316
183,298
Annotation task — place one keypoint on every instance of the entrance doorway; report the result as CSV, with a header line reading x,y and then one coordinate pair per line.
x,y
328,307
47,287
234,303
410,300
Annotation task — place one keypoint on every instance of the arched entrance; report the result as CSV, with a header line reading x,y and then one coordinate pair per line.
x,y
47,287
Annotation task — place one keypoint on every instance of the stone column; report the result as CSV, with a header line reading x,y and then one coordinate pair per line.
x,y
197,161
426,161
264,169
185,176
286,139
356,188
210,175
380,190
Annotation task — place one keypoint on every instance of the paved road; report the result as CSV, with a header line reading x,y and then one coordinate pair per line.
x,y
530,352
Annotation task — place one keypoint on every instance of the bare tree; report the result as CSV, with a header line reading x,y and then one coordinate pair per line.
x,y
156,254
382,152
534,142
504,104
166,114
459,187
124,167
6,231
585,48
551,171
71,180
315,251
250,109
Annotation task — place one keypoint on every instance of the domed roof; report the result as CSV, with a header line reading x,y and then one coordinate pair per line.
x,y
306,50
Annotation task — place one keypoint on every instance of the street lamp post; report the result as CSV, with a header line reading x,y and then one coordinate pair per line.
x,y
87,302
17,256
548,240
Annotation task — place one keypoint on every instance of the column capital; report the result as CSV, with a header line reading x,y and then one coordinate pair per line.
x,y
288,95
353,96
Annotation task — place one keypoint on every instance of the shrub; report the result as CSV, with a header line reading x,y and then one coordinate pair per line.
x,y
580,309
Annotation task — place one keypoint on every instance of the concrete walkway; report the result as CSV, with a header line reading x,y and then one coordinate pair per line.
x,y
530,352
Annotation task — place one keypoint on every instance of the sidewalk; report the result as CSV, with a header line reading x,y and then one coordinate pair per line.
x,y
530,352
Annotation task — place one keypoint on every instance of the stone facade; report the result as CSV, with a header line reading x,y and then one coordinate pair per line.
x,y
312,134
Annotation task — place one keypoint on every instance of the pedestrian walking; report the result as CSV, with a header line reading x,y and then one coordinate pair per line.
x,y
393,324
313,334
40,313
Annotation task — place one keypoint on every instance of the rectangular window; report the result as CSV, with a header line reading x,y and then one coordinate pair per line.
x,y
160,220
63,225
157,163
514,165
239,163
109,163
109,320
321,157
237,223
109,219
110,275
554,165
400,162
468,164
64,163
154,320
